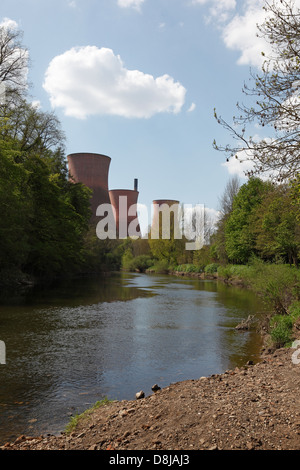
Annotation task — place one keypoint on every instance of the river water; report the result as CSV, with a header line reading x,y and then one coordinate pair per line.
x,y
79,341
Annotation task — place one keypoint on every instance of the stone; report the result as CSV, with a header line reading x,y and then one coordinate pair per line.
x,y
155,388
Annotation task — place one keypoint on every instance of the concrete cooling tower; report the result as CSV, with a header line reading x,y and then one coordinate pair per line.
x,y
124,203
165,216
92,170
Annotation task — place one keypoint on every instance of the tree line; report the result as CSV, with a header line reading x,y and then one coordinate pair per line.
x,y
44,224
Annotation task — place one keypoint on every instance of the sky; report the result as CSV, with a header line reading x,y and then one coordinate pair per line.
x,y
138,80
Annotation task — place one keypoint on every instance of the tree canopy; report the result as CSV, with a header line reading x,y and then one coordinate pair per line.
x,y
274,95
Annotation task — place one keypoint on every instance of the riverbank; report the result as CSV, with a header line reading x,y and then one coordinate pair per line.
x,y
253,407
256,407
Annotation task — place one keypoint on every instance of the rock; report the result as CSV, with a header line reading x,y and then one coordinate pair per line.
x,y
140,395
155,388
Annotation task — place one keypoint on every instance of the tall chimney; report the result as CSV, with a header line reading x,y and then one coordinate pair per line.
x,y
135,184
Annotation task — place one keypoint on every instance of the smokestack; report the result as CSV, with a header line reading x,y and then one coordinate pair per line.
x,y
135,184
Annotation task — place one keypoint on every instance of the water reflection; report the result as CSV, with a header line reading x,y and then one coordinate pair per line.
x,y
73,343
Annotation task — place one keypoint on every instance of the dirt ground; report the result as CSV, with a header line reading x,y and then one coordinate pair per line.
x,y
256,407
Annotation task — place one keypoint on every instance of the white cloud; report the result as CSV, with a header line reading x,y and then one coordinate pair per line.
x,y
191,108
136,4
238,166
241,34
239,30
244,162
91,81
7,23
218,9
36,104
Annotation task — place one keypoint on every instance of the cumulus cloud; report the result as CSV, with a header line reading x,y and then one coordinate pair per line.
x,y
245,162
218,9
136,4
241,34
239,29
239,166
8,23
87,81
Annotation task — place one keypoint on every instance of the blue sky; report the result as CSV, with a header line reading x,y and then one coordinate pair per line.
x,y
138,80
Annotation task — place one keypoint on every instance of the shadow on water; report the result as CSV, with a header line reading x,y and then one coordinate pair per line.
x,y
72,343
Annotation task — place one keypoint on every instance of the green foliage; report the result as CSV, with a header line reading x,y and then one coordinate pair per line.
x,y
281,330
277,284
44,217
239,236
138,263
141,263
127,258
211,268
188,268
203,257
160,267
75,420
281,326
15,207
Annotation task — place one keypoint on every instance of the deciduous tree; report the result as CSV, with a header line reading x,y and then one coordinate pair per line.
x,y
274,99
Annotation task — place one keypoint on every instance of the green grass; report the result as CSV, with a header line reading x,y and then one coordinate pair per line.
x,y
73,423
281,326
188,268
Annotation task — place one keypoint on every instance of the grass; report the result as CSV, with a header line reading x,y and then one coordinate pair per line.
x,y
279,286
281,326
73,423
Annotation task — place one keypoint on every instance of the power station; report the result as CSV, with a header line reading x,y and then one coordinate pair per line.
x,y
92,169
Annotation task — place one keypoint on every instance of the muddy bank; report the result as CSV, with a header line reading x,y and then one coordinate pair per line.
x,y
256,407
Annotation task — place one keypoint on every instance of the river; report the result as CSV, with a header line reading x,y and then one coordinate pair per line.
x,y
74,343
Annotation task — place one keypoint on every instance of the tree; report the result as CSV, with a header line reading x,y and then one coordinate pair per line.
x,y
226,200
239,235
275,99
14,60
15,206
276,227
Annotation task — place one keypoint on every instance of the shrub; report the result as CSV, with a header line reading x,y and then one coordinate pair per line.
x,y
281,329
188,268
211,268
160,267
140,263
278,284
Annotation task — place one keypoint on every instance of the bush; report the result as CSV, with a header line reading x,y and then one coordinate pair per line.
x,y
281,330
160,267
188,268
140,263
211,268
278,284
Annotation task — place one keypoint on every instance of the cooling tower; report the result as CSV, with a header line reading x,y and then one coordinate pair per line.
x,y
165,218
91,169
121,201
